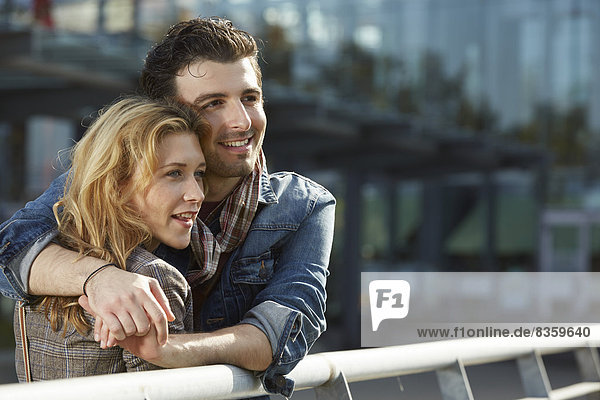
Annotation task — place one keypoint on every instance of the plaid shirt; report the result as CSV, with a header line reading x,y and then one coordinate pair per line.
x,y
234,220
54,356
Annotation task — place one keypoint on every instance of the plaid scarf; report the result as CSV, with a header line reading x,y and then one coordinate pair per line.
x,y
235,220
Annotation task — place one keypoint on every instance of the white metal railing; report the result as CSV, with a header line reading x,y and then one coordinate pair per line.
x,y
329,374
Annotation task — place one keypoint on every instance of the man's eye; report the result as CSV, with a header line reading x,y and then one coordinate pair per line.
x,y
211,104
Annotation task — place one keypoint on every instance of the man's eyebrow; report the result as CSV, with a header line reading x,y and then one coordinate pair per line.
x,y
209,96
204,97
253,90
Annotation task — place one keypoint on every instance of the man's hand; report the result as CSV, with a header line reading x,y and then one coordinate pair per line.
x,y
146,347
126,304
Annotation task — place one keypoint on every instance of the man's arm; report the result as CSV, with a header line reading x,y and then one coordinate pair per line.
x,y
23,236
57,271
242,345
290,310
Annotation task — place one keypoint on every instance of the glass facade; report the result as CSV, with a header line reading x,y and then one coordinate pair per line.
x,y
517,72
506,59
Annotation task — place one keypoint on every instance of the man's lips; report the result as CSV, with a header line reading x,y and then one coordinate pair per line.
x,y
236,143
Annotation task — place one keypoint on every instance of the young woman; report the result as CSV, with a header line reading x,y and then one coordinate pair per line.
x,y
136,181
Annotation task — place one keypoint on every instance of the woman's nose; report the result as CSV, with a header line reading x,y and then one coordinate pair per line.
x,y
194,191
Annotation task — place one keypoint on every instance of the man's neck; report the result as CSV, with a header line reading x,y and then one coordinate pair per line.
x,y
219,188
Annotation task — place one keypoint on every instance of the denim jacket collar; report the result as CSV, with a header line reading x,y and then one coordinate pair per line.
x,y
267,194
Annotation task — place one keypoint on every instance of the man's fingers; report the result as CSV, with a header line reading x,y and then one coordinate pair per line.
x,y
126,322
157,316
141,322
111,325
160,315
159,295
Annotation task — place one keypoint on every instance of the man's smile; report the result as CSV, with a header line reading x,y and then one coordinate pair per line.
x,y
238,143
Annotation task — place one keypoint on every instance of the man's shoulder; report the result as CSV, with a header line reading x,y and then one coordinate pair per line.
x,y
288,198
288,185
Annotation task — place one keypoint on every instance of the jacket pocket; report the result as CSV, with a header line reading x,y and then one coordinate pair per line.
x,y
250,276
255,270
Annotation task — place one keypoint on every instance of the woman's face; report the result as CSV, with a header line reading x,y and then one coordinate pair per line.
x,y
170,204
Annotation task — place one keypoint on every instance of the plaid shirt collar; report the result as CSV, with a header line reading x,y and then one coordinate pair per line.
x,y
235,219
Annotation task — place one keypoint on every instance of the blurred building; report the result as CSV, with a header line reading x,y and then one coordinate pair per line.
x,y
445,128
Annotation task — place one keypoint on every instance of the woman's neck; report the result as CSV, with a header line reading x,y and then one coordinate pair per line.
x,y
153,245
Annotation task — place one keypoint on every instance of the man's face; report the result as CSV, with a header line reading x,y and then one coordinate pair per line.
x,y
230,98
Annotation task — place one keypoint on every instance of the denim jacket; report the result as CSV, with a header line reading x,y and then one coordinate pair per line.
x,y
275,280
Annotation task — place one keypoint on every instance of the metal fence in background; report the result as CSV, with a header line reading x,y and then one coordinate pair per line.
x,y
329,373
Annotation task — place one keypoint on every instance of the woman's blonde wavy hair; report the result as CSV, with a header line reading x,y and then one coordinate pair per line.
x,y
93,215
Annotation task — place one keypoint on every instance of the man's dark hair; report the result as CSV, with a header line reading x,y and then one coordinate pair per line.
x,y
200,39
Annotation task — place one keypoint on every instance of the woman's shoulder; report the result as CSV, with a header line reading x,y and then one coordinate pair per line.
x,y
143,262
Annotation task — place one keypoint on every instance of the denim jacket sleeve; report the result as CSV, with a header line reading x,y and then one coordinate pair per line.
x,y
24,236
290,310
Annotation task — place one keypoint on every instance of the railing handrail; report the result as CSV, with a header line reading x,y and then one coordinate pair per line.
x,y
229,382
384,362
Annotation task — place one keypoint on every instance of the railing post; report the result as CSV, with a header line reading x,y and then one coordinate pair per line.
x,y
533,375
336,389
589,367
588,363
454,383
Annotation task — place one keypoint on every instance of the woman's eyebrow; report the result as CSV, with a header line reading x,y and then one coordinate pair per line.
x,y
180,164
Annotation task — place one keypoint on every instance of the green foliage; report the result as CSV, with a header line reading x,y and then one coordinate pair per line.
x,y
565,133
276,55
362,76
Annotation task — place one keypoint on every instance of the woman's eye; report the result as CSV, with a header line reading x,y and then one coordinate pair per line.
x,y
174,174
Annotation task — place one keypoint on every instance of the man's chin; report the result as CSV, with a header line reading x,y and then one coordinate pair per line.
x,y
241,169
230,168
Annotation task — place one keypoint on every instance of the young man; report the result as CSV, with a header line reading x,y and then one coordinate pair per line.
x,y
261,251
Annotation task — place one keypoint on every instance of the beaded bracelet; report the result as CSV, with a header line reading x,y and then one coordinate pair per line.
x,y
90,276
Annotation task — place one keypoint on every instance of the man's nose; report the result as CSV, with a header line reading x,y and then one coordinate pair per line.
x,y
238,118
